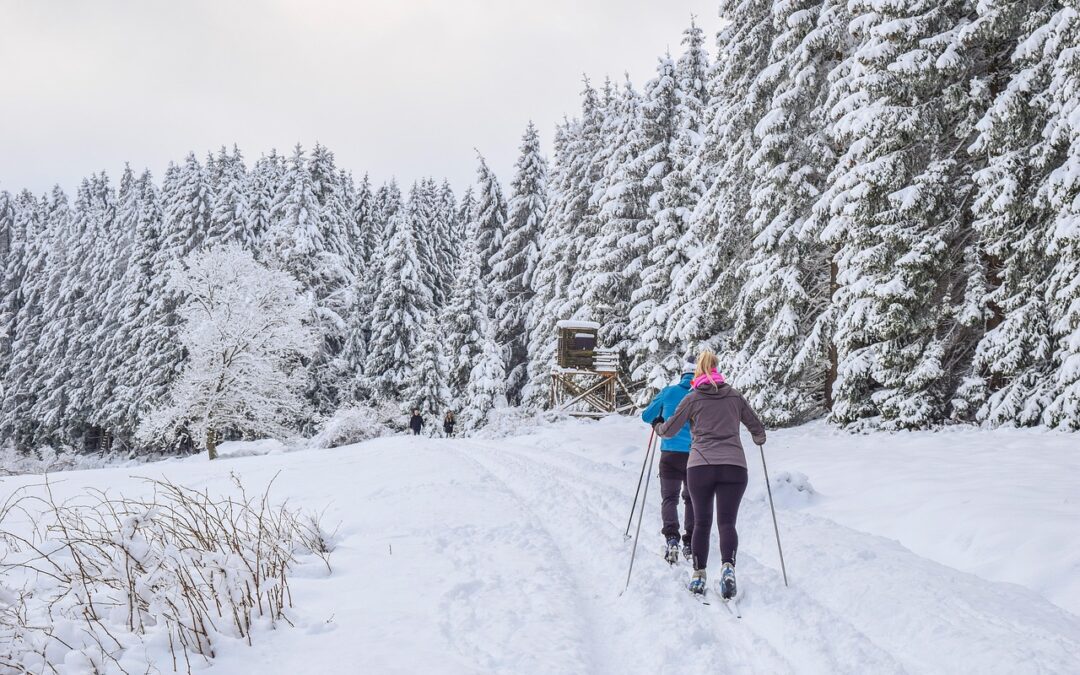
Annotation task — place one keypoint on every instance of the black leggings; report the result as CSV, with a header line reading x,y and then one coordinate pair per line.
x,y
724,483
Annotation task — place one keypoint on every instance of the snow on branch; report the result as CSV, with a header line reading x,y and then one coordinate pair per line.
x,y
246,331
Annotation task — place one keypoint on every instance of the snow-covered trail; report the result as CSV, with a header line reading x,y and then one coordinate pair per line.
x,y
508,556
857,602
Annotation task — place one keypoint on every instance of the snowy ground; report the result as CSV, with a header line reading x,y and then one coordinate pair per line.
x,y
924,553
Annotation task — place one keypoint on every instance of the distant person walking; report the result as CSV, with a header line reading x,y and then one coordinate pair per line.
x,y
716,470
416,423
674,453
448,423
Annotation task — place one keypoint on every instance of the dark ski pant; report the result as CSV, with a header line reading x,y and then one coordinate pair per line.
x,y
723,484
672,486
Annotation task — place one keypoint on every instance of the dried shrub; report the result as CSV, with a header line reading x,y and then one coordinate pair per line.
x,y
114,584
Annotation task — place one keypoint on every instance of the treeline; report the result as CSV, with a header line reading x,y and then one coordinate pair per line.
x,y
90,325
871,209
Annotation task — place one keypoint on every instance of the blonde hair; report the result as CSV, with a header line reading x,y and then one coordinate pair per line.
x,y
706,363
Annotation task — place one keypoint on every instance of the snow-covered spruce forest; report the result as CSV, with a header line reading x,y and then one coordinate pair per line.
x,y
870,209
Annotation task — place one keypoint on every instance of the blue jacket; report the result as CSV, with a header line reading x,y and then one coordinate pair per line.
x,y
664,405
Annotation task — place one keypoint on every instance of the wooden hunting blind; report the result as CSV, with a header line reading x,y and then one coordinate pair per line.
x,y
577,344
585,378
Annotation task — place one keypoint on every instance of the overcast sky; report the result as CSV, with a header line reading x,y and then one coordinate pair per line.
x,y
401,88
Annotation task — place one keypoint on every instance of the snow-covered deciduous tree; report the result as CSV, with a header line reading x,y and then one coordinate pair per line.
x,y
245,329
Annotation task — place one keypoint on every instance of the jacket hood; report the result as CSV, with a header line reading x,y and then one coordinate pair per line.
x,y
685,380
719,391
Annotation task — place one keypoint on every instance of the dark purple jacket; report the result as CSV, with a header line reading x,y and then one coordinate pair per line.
x,y
714,414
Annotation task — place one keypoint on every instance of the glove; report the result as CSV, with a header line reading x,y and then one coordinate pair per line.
x,y
657,422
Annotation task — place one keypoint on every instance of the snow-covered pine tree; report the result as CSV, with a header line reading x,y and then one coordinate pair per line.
x,y
244,329
305,240
261,189
780,350
51,379
571,217
1012,363
398,314
229,219
613,265
1026,368
449,232
110,348
334,192
653,358
895,212
426,388
160,354
464,318
444,238
486,389
7,221
490,215
703,293
466,212
422,208
366,237
592,153
388,202
23,307
18,224
139,214
515,263
295,238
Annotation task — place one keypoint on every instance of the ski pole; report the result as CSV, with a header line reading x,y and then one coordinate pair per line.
x,y
776,528
641,514
626,535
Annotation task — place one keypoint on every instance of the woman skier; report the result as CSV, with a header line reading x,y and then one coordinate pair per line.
x,y
673,455
448,423
716,470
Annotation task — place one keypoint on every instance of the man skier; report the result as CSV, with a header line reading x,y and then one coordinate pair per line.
x,y
416,422
674,453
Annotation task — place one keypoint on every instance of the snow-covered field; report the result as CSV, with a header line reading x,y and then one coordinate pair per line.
x,y
949,552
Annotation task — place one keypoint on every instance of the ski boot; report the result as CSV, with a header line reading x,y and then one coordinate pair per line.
x,y
697,583
671,554
687,552
727,581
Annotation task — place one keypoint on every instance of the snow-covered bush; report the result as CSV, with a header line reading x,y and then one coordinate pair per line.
x,y
47,459
112,584
790,490
355,423
503,422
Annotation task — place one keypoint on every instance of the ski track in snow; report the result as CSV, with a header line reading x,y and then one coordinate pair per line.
x,y
870,606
